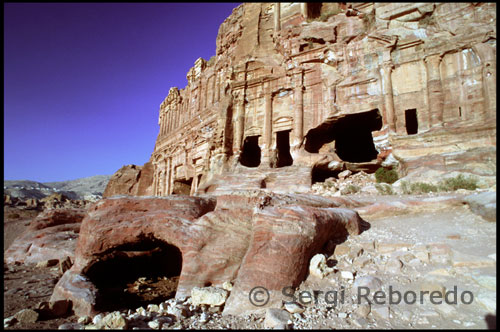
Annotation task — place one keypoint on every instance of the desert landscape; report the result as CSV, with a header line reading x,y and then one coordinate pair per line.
x,y
333,166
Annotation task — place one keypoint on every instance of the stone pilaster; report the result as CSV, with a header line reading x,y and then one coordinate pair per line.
x,y
238,122
298,122
168,176
389,113
277,16
434,90
268,126
303,9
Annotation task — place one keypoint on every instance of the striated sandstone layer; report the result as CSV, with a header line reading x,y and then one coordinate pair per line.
x,y
51,235
260,240
334,86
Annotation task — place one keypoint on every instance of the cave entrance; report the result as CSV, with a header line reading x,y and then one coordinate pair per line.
x,y
352,133
250,154
283,149
411,121
136,274
320,174
182,187
314,9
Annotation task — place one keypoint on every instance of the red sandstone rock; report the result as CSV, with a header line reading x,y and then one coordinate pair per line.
x,y
51,235
235,241
131,180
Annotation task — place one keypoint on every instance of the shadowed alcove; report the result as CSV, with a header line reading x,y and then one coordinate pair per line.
x,y
283,148
136,274
182,187
352,135
250,155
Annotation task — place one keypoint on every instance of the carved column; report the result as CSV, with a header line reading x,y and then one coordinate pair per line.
x,y
217,86
160,122
268,124
172,176
299,110
303,9
487,54
277,16
239,122
168,175
161,192
194,184
155,180
434,90
390,115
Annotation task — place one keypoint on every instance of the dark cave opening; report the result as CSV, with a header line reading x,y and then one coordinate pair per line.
x,y
182,187
321,174
136,274
411,121
314,9
283,149
352,135
250,154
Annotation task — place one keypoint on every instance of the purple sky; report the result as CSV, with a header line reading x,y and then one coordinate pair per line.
x,y
83,82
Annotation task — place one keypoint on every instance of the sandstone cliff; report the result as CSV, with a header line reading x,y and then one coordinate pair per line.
x,y
335,86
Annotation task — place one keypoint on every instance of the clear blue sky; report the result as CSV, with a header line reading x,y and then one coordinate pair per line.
x,y
83,82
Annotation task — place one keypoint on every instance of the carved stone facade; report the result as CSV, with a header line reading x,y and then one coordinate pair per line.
x,y
333,86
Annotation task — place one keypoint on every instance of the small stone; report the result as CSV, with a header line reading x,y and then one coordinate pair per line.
x,y
114,320
84,320
155,325
363,310
276,318
318,266
342,315
26,316
64,265
208,295
294,308
227,285
203,318
71,326
97,319
347,275
49,310
153,308
394,266
47,263
344,174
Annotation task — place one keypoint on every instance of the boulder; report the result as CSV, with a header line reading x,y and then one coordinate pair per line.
x,y
242,240
51,236
483,204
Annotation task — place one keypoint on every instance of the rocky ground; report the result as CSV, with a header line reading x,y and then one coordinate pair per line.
x,y
416,243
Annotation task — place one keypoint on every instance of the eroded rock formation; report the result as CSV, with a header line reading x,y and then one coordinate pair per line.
x,y
131,180
264,240
335,86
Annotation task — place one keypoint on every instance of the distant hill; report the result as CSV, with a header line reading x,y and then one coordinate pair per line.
x,y
85,188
